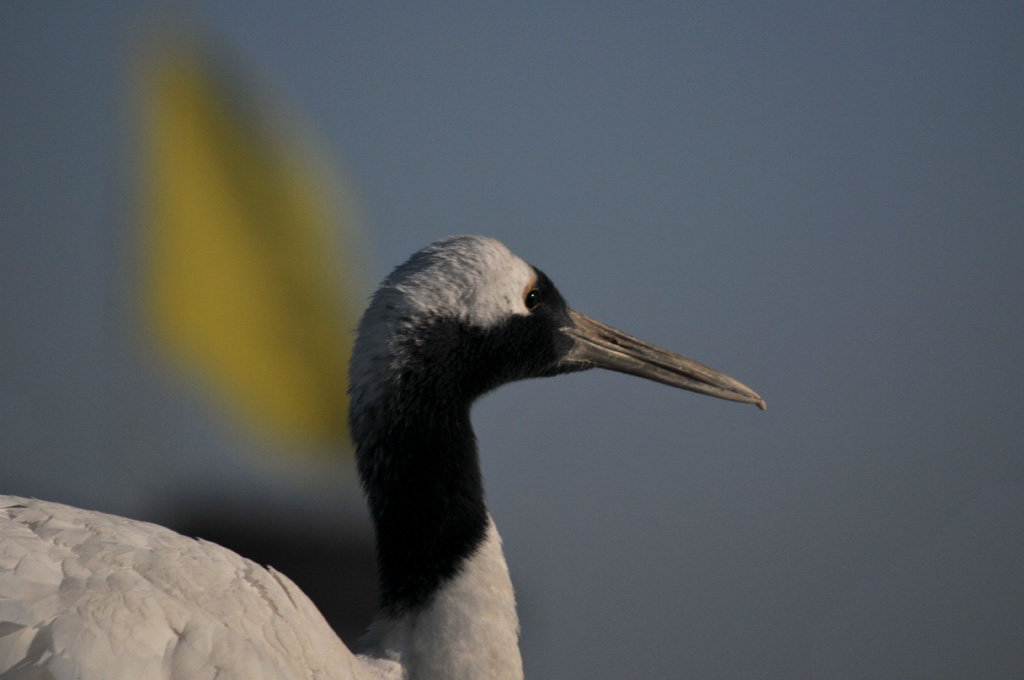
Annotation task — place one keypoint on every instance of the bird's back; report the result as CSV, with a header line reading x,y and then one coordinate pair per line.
x,y
91,596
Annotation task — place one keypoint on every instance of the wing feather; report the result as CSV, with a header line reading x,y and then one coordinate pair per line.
x,y
90,596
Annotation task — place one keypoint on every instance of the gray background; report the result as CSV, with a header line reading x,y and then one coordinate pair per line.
x,y
823,200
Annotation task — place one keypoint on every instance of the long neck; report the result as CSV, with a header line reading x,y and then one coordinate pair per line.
x,y
421,474
448,606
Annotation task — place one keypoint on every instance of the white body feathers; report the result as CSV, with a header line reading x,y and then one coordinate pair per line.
x,y
90,596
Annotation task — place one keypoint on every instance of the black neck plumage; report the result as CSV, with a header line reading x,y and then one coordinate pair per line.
x,y
416,450
421,474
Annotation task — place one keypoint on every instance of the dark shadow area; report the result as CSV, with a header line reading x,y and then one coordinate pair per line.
x,y
330,562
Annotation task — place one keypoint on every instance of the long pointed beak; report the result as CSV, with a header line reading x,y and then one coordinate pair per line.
x,y
605,347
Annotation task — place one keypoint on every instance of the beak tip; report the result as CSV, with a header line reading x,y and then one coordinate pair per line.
x,y
761,405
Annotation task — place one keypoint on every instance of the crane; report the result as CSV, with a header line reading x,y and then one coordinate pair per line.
x,y
90,596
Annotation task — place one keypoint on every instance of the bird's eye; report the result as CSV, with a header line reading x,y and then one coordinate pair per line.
x,y
532,299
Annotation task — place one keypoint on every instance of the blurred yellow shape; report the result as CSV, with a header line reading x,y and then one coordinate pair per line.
x,y
241,277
